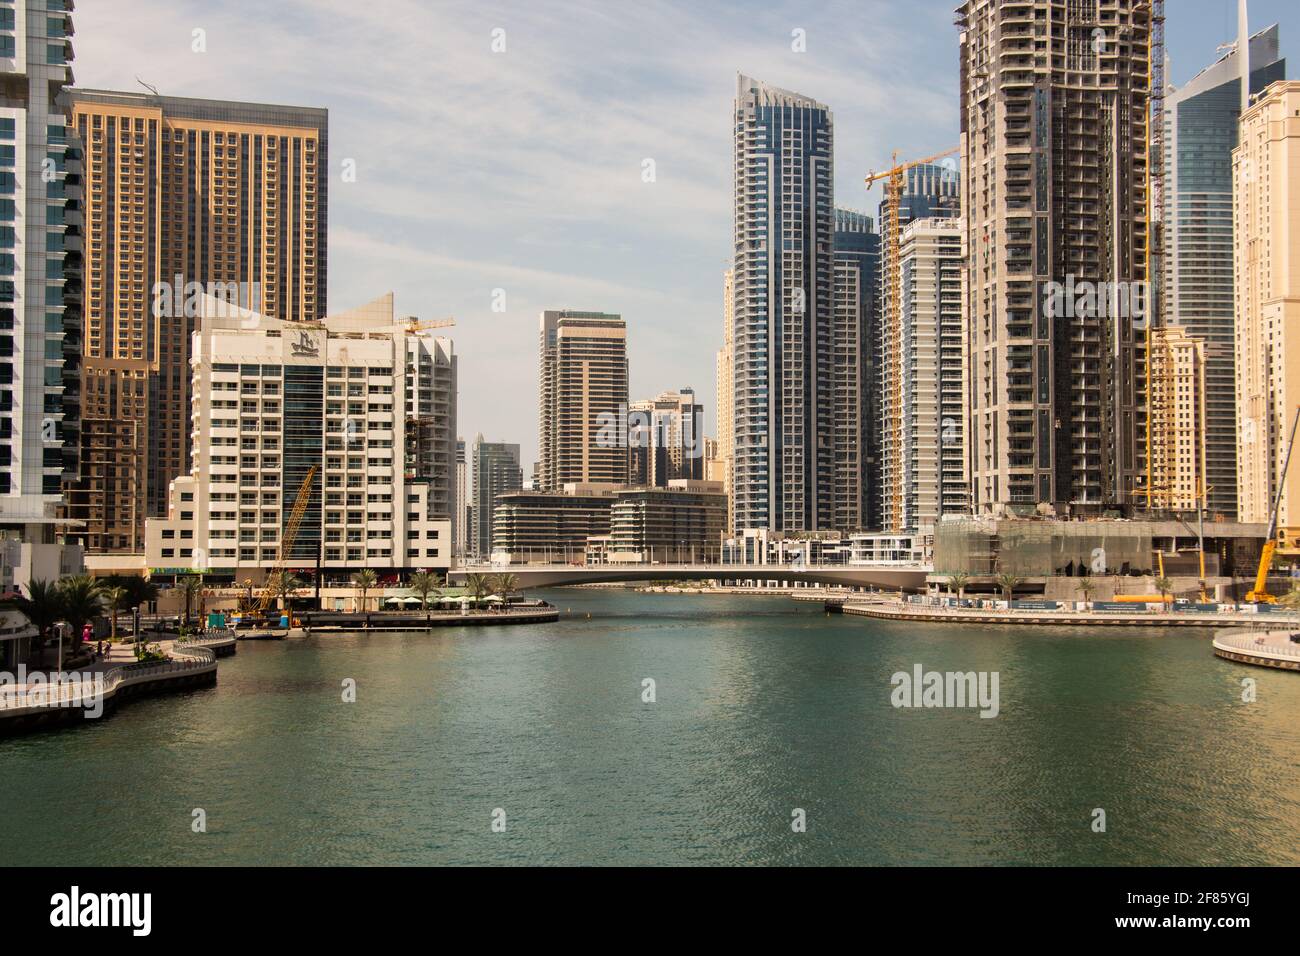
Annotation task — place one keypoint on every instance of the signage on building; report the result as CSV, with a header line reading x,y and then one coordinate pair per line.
x,y
305,346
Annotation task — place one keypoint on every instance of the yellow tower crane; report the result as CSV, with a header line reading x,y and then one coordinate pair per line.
x,y
259,605
895,179
1259,594
414,325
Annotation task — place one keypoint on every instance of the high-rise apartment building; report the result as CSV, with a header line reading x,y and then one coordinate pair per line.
x,y
1201,121
583,390
40,290
924,456
665,439
275,399
1179,406
496,472
784,311
1266,287
855,373
183,196
460,504
431,390
916,361
1054,122
726,396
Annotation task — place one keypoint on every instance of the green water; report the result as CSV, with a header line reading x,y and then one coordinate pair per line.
x,y
763,706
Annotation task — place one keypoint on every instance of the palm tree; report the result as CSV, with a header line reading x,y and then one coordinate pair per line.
x,y
363,581
478,587
138,591
1086,587
43,606
505,585
957,581
82,602
1008,583
1164,586
115,600
283,585
424,584
191,587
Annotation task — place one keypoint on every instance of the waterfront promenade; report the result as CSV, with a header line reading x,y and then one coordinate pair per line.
x,y
1263,648
1139,617
94,690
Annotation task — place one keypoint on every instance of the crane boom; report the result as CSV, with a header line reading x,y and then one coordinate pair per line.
x,y
287,539
1260,593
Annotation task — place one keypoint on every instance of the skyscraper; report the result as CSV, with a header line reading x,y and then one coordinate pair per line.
x,y
40,288
460,504
922,402
666,439
183,196
496,471
1201,120
855,371
1178,412
784,278
726,396
1266,287
1054,122
582,378
924,458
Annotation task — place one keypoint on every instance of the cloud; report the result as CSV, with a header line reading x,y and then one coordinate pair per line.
x,y
523,169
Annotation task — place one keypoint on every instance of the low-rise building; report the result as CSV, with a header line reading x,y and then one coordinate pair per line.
x,y
551,526
275,399
682,523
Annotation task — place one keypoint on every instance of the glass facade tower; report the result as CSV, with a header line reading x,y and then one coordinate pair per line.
x,y
1201,132
783,279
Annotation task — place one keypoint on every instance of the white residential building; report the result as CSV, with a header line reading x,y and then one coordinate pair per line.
x,y
924,455
356,395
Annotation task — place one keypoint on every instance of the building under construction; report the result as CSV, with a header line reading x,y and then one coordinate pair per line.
x,y
1057,142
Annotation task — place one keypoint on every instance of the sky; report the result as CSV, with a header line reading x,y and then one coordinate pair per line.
x,y
521,168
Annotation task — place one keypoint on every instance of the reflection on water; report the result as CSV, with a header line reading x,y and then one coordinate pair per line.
x,y
762,706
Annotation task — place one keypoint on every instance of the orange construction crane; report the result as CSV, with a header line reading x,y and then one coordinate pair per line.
x,y
895,179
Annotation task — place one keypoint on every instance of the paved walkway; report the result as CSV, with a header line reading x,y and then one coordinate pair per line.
x,y
934,613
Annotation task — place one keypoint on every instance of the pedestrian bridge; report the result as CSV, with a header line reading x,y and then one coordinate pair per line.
x,y
890,577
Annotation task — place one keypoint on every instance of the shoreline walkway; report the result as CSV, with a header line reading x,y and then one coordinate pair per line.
x,y
1262,648
894,611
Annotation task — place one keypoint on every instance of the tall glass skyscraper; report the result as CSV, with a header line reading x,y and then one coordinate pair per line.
x,y
855,361
40,288
1201,132
783,311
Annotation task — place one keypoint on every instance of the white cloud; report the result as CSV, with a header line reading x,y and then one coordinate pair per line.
x,y
523,169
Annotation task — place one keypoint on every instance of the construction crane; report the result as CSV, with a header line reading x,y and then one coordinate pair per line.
x,y
258,606
895,179
1155,143
414,325
1260,594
